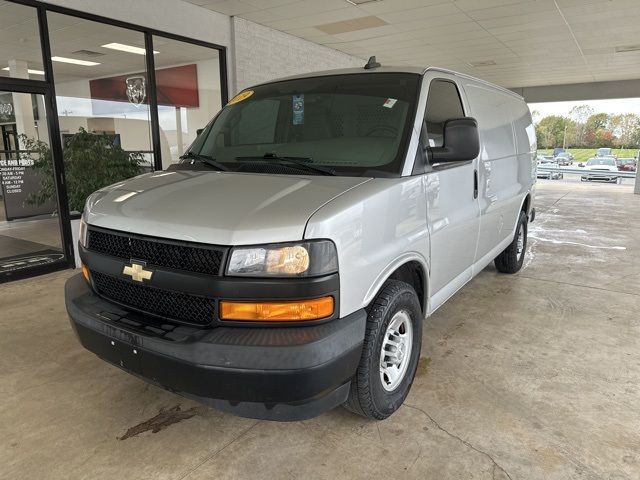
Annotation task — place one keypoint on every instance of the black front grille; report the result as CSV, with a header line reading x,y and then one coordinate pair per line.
x,y
176,306
158,252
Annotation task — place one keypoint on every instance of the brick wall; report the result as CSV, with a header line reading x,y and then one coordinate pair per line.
x,y
262,53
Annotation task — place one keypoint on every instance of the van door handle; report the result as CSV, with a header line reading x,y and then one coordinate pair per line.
x,y
475,184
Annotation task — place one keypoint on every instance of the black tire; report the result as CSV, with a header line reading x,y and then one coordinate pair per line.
x,y
368,397
509,261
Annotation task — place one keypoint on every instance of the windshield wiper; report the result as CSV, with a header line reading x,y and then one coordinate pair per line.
x,y
302,162
208,159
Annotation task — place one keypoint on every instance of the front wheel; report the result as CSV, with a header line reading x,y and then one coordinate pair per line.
x,y
390,352
512,257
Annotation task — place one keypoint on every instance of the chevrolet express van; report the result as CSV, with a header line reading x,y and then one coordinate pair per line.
x,y
286,265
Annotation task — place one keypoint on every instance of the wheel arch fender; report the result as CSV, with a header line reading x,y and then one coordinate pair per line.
x,y
525,206
411,268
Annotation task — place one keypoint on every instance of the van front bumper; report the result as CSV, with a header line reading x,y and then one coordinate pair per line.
x,y
275,373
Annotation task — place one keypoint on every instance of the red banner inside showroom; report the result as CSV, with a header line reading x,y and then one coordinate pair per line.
x,y
176,87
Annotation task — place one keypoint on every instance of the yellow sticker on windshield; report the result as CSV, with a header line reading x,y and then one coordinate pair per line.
x,y
240,97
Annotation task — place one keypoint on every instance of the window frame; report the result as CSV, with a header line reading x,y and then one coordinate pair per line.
x,y
423,164
46,87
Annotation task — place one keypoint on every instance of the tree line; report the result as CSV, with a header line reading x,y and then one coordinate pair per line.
x,y
583,128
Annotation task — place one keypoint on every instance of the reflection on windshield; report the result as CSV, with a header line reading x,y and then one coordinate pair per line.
x,y
351,124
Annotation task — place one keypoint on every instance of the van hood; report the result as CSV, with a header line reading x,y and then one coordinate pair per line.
x,y
221,208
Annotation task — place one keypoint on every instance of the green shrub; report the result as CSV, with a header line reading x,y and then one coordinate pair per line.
x,y
90,163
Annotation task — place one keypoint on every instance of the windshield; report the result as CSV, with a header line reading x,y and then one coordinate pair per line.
x,y
355,125
601,161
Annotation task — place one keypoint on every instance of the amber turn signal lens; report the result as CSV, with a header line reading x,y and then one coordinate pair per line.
x,y
295,311
85,272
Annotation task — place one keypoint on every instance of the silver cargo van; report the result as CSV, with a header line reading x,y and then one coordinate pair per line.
x,y
285,266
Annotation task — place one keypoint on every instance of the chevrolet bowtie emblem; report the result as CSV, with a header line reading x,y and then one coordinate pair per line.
x,y
137,272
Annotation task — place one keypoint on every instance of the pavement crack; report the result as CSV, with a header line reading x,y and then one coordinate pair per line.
x,y
554,203
578,285
216,452
495,464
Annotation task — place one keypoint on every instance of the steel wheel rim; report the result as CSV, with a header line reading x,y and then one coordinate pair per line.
x,y
520,243
395,354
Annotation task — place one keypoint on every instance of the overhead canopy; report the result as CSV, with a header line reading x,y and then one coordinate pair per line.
x,y
514,43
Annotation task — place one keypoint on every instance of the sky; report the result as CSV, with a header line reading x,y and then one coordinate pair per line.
x,y
615,106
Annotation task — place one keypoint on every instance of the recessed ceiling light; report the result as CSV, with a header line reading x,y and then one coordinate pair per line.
x,y
352,25
126,48
628,48
30,70
481,63
75,61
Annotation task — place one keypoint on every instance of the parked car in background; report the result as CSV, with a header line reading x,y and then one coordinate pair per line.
x,y
601,168
548,161
564,158
544,159
605,152
557,151
626,164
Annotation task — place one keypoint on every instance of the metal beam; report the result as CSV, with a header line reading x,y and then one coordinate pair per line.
x,y
580,91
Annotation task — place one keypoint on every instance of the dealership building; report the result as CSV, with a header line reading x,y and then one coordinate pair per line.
x,y
140,80
406,243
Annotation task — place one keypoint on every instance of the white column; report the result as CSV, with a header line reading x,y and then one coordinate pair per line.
x,y
22,106
179,140
43,127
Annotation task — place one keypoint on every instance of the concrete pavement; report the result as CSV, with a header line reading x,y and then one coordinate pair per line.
x,y
531,376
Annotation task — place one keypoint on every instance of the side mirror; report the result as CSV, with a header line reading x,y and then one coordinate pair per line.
x,y
581,164
199,131
461,141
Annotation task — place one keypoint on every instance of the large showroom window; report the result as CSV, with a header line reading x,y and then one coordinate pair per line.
x,y
29,229
85,102
102,94
188,91
20,52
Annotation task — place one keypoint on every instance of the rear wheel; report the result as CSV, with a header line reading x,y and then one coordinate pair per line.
x,y
389,354
512,257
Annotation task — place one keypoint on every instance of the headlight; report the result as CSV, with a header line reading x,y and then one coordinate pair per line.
x,y
300,259
82,232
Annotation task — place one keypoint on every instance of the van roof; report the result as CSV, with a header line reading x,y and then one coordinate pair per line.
x,y
391,69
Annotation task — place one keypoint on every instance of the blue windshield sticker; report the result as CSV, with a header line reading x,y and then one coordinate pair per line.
x,y
298,109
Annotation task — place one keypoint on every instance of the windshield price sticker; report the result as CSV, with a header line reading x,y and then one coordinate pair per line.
x,y
240,97
298,109
389,102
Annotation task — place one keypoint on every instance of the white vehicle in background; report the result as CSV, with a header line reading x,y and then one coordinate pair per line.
x,y
604,169
287,264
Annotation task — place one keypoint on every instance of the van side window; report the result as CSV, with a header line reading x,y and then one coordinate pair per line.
x,y
443,103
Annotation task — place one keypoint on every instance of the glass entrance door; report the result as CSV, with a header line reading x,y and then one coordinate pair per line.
x,y
30,235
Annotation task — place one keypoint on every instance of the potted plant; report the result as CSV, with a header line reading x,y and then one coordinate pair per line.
x,y
90,162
